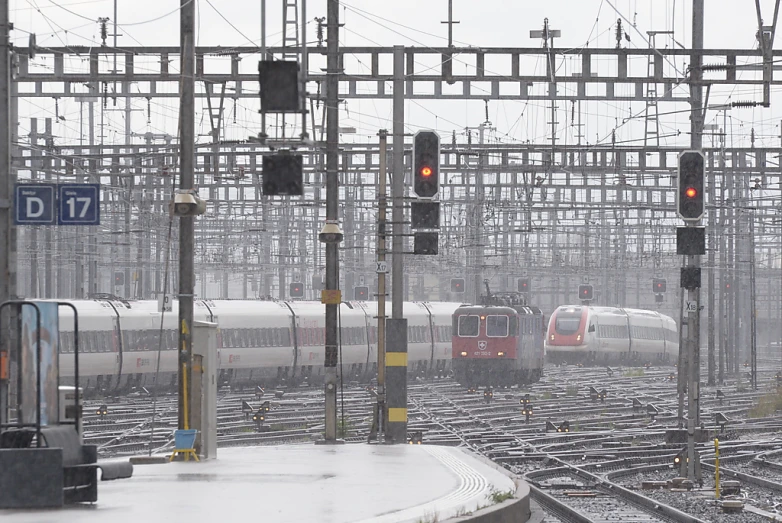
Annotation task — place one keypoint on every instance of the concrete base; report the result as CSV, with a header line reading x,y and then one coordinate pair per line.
x,y
31,478
325,483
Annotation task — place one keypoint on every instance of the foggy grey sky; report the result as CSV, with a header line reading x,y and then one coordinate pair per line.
x,y
488,23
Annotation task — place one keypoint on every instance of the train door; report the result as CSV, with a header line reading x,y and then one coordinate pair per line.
x,y
371,348
117,347
430,328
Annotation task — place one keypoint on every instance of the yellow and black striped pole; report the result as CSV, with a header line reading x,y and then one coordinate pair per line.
x,y
396,380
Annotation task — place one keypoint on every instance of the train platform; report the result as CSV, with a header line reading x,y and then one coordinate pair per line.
x,y
306,483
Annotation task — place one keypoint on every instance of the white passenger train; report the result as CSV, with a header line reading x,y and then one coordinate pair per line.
x,y
604,335
259,342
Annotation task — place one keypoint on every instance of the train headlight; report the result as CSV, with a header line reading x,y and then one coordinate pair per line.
x,y
500,353
552,337
464,353
578,338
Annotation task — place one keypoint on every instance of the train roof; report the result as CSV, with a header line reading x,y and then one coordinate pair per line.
x,y
499,309
618,311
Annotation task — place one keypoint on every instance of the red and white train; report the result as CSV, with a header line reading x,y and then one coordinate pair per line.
x,y
259,342
604,335
496,345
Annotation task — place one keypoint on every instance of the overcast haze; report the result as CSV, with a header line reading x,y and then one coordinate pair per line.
x,y
488,23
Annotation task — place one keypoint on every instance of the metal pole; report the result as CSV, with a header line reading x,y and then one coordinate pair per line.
x,y
186,224
396,327
332,203
381,288
712,270
753,346
693,320
397,182
723,266
7,230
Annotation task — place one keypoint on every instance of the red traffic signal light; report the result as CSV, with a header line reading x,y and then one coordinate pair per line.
x,y
523,285
658,285
426,163
296,290
457,285
690,204
585,292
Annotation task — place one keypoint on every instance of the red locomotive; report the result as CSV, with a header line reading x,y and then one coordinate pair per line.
x,y
497,345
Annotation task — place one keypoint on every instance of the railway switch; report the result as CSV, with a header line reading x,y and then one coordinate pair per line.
x,y
488,395
721,420
246,409
526,411
720,396
259,417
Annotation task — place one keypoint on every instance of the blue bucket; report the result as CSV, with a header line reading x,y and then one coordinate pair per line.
x,y
184,439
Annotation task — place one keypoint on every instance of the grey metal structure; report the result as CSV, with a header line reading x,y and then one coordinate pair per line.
x,y
603,212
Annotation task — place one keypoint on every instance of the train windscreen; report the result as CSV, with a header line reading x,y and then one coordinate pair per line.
x,y
497,326
469,325
568,321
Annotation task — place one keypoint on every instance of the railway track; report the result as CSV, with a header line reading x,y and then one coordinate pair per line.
x,y
600,447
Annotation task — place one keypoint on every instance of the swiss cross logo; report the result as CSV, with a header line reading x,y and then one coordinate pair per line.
x,y
482,345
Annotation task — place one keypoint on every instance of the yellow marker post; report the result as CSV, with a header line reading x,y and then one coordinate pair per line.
x,y
184,394
717,467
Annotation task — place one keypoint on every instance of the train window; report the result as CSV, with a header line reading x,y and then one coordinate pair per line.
x,y
469,326
568,321
513,326
153,337
285,337
497,326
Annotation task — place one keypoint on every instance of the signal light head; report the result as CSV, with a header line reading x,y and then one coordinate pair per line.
x,y
426,171
691,192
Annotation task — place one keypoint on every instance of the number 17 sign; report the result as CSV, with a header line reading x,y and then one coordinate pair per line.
x,y
79,204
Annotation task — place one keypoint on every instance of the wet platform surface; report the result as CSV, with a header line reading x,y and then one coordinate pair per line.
x,y
294,483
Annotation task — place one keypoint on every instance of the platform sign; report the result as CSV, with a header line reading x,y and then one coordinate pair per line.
x,y
34,204
79,204
165,303
331,297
